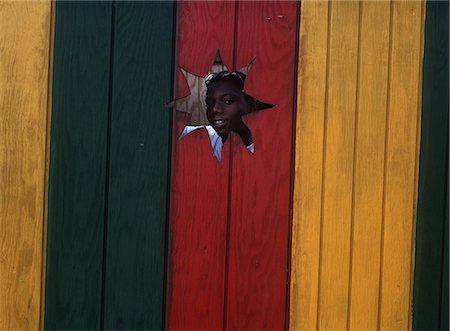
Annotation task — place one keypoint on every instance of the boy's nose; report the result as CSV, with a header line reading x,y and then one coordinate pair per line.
x,y
217,108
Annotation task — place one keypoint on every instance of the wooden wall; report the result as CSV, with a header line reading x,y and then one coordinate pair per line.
x,y
25,39
108,180
356,164
229,229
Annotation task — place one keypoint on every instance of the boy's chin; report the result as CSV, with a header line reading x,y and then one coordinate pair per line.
x,y
224,136
222,132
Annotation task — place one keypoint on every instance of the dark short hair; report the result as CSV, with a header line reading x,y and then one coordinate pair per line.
x,y
237,77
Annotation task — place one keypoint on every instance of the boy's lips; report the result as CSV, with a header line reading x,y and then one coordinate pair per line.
x,y
220,123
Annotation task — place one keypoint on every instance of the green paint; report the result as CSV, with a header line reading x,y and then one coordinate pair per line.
x,y
77,165
444,292
110,165
430,295
139,165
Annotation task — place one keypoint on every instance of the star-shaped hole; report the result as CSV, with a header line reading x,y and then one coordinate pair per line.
x,y
195,104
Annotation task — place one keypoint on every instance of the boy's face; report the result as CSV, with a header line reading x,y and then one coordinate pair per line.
x,y
225,105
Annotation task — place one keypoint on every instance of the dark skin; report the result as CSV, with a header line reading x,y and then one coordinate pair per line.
x,y
225,105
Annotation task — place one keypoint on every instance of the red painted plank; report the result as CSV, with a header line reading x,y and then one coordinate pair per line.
x,y
260,184
199,202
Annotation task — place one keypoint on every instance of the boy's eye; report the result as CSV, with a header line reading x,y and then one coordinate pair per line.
x,y
228,101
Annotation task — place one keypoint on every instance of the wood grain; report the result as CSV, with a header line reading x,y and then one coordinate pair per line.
x,y
259,222
401,164
338,166
138,166
368,190
24,63
47,165
76,211
369,165
307,196
199,201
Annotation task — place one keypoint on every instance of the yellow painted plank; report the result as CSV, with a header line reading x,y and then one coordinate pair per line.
x,y
338,163
369,164
308,164
47,161
401,164
24,60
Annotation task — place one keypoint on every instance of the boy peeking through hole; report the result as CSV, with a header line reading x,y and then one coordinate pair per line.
x,y
226,103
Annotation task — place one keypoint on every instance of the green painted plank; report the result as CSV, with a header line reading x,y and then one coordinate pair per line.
x,y
77,165
433,172
139,165
445,281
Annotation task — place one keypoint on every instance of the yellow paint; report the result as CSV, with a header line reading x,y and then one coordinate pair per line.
x,y
308,164
401,162
24,79
369,165
356,164
47,162
338,166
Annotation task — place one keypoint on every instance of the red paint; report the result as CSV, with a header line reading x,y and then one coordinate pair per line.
x,y
259,219
199,202
229,227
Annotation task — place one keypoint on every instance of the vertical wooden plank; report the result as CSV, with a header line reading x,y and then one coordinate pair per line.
x,y
369,165
261,182
338,166
307,198
77,165
400,170
47,163
433,172
138,165
444,325
24,62
198,222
